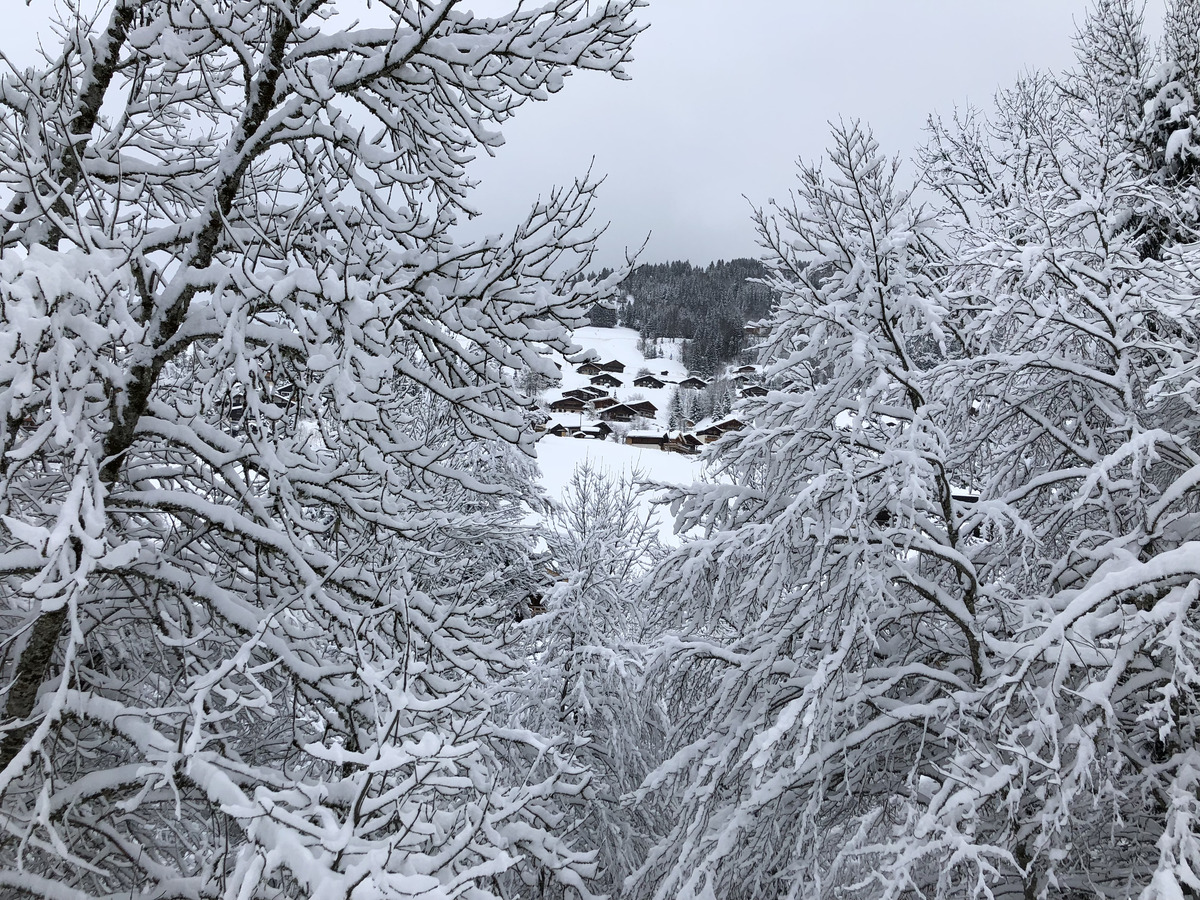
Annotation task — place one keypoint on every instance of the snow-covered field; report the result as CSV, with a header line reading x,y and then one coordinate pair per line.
x,y
559,456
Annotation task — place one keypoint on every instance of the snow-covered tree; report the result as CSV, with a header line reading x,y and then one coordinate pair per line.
x,y
940,636
260,465
828,626
586,654
1080,318
675,409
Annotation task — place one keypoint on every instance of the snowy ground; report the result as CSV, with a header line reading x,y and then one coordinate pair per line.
x,y
558,457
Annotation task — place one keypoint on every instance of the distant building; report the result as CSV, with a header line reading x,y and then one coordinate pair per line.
x,y
712,432
646,439
586,394
644,408
588,368
599,431
693,383
567,404
754,390
607,380
683,442
618,413
613,365
761,328
648,381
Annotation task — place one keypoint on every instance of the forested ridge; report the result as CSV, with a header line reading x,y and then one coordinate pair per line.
x,y
707,306
284,612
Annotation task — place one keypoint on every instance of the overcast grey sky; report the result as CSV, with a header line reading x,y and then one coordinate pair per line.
x,y
726,95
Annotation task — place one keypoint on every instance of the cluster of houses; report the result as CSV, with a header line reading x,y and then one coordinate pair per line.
x,y
596,397
597,401
682,441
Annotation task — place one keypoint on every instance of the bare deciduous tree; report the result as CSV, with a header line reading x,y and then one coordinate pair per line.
x,y
261,511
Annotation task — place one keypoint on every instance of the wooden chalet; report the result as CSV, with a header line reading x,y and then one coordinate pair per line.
x,y
754,390
597,432
714,431
746,370
647,439
568,404
649,381
558,429
603,403
586,394
607,380
613,365
693,383
644,408
618,413
683,442
237,404
588,368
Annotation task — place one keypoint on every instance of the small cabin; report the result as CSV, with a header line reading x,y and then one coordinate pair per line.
x,y
644,408
588,368
613,365
646,439
649,381
754,390
607,380
693,383
712,432
597,432
683,442
618,413
567,404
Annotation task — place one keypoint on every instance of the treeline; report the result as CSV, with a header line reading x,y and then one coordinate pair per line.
x,y
706,305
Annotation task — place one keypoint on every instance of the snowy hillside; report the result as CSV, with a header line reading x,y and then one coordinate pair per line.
x,y
621,344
